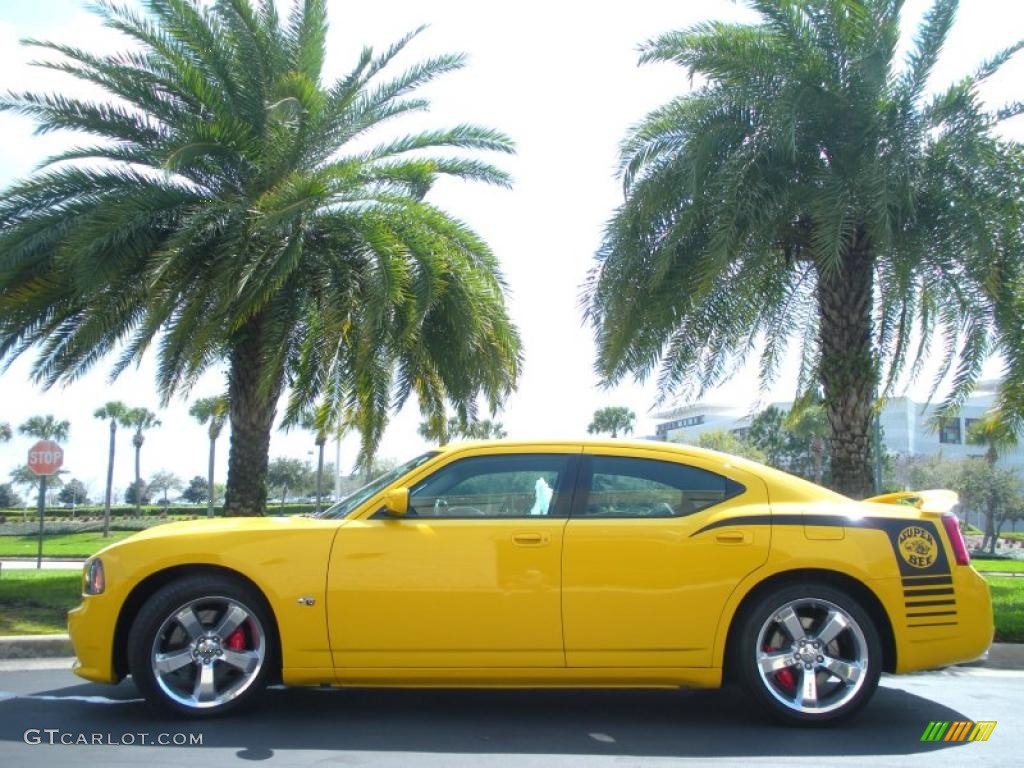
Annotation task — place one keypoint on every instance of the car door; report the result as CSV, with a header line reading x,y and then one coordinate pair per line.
x,y
643,586
470,577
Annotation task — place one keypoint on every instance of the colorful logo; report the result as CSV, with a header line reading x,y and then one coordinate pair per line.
x,y
917,546
960,730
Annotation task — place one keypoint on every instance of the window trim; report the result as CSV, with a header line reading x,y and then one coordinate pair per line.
x,y
564,495
585,481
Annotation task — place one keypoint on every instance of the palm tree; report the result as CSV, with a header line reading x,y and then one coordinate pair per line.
x,y
323,423
808,421
5,432
998,436
470,429
117,413
810,190
613,419
241,211
45,428
212,411
140,419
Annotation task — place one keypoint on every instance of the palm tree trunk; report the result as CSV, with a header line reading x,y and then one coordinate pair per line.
x,y
818,451
110,479
848,372
209,479
252,417
138,475
320,476
990,529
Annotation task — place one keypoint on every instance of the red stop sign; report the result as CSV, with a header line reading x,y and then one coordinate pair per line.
x,y
45,457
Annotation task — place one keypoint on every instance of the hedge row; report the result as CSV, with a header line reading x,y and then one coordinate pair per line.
x,y
171,511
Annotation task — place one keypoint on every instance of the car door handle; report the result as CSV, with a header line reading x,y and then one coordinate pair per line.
x,y
733,537
529,539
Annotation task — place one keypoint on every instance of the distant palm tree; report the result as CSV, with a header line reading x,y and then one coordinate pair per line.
x,y
45,428
613,419
5,432
997,435
807,420
237,206
117,413
454,428
140,419
212,411
812,190
323,423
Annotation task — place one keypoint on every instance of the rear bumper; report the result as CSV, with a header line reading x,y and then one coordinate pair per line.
x,y
960,638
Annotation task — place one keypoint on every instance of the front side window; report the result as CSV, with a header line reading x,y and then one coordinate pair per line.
x,y
631,487
518,485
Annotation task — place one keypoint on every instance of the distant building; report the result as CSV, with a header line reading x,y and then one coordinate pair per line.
x,y
907,428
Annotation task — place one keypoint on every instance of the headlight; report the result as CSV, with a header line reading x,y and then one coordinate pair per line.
x,y
93,580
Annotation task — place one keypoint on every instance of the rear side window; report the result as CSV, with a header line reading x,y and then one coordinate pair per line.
x,y
631,487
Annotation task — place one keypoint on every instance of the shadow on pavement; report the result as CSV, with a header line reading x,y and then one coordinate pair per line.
x,y
578,722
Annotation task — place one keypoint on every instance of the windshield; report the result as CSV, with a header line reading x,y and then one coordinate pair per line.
x,y
350,502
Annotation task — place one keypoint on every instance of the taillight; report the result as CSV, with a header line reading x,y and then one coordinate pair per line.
x,y
956,538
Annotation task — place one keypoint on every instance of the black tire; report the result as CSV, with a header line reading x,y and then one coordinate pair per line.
x,y
208,598
856,651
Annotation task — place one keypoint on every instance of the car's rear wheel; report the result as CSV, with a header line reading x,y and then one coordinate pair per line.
x,y
810,654
201,646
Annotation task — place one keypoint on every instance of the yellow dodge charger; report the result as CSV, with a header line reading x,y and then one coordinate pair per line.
x,y
507,564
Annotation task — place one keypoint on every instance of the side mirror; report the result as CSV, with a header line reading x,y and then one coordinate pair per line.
x,y
396,501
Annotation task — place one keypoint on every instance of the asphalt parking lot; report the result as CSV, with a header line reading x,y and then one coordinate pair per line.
x,y
466,728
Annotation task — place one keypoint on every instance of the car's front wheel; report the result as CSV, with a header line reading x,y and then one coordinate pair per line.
x,y
201,646
809,653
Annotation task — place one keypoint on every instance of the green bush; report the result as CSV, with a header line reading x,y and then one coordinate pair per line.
x,y
153,510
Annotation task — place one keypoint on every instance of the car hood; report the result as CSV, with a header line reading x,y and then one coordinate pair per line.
x,y
226,525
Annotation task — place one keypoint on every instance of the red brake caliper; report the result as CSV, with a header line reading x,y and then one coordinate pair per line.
x,y
236,641
784,677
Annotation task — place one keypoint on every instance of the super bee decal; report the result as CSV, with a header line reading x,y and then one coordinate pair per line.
x,y
917,546
929,598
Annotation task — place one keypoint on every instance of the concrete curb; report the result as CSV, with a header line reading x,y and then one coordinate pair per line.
x,y
1002,656
35,646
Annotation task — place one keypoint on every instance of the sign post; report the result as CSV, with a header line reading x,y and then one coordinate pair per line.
x,y
44,459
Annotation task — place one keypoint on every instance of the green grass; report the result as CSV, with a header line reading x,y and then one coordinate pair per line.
x,y
1004,566
37,602
1008,606
59,545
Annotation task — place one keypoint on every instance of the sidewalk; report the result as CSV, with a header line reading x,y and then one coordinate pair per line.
x,y
49,563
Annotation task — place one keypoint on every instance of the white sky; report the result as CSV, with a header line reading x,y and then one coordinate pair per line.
x,y
562,80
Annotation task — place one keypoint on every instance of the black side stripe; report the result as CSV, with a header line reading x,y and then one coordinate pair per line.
x,y
935,624
931,613
921,603
927,592
927,581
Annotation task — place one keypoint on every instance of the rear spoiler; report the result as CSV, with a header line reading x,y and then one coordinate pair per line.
x,y
938,501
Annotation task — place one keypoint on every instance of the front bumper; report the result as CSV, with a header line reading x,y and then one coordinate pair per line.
x,y
91,626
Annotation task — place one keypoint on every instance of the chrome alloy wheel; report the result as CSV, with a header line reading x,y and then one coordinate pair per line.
x,y
208,652
812,656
